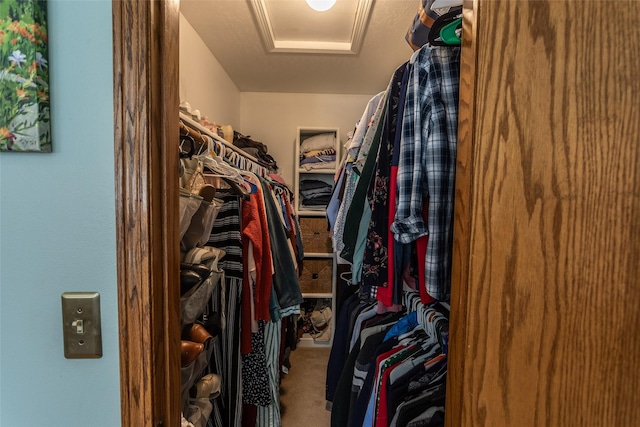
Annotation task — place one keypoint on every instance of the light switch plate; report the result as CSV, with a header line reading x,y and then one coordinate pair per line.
x,y
81,325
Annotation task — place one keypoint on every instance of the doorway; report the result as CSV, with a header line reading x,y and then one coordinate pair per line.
x,y
146,107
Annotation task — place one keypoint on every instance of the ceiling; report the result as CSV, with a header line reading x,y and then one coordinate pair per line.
x,y
284,46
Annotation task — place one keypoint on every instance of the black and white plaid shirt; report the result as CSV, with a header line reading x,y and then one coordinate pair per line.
x,y
426,172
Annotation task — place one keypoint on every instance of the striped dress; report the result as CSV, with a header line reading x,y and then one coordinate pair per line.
x,y
226,235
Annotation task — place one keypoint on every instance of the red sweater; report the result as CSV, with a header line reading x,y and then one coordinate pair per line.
x,y
256,231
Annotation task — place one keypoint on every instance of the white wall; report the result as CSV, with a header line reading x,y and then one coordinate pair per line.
x,y
273,118
57,234
203,81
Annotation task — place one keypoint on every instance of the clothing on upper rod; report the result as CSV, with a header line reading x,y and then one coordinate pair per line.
x,y
395,223
222,148
426,28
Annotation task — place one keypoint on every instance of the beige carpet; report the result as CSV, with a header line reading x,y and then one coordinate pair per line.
x,y
302,390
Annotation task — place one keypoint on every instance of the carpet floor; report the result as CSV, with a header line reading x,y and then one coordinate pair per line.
x,y
302,398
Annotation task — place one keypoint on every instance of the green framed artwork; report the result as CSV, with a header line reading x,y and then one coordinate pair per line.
x,y
24,76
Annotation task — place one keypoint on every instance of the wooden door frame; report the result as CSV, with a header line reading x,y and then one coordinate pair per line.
x,y
146,98
462,219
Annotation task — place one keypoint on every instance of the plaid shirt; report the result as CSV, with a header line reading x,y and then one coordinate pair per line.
x,y
426,172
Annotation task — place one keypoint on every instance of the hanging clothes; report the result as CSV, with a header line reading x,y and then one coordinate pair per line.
x,y
286,285
226,235
256,235
397,359
398,258
376,256
389,216
350,176
394,226
426,172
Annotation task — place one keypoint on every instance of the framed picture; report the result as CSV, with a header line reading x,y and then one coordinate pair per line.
x,y
24,76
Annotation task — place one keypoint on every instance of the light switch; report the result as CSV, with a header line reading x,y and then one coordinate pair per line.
x,y
81,325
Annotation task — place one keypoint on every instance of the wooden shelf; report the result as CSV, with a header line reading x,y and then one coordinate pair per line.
x,y
316,171
317,295
302,212
307,341
318,255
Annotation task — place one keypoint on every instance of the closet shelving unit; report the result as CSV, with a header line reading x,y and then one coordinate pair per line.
x,y
318,281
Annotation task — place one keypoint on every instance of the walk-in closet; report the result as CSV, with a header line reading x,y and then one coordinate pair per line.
x,y
286,305
442,234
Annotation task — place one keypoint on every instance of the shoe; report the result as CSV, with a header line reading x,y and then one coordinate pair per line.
x,y
207,192
208,387
213,324
197,232
202,270
199,333
189,351
321,318
322,336
189,282
184,422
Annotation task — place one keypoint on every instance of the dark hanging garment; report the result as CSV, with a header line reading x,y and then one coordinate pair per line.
x,y
375,266
285,278
226,235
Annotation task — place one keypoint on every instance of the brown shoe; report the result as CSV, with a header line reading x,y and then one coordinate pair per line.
x,y
189,351
198,333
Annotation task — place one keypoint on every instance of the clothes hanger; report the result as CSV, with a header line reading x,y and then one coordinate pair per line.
x,y
251,187
435,37
250,179
238,189
428,319
345,276
191,144
441,4
220,169
443,307
203,148
196,135
450,33
409,334
216,148
440,374
420,357
411,298
236,186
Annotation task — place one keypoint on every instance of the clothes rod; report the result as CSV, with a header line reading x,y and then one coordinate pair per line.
x,y
195,125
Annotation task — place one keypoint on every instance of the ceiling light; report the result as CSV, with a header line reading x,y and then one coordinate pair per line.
x,y
321,5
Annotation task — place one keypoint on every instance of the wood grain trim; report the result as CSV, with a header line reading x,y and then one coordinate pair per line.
x,y
462,220
145,47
